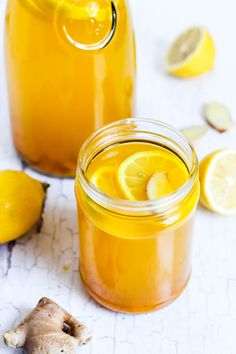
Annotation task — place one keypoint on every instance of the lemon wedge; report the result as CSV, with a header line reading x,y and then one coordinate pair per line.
x,y
151,175
192,54
218,181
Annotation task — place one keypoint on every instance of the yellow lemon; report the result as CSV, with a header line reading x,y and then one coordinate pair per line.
x,y
192,54
218,181
21,204
151,175
104,179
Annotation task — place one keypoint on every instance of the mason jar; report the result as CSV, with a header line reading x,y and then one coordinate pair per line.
x,y
135,256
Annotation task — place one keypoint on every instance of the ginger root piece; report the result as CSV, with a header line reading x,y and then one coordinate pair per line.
x,y
49,329
218,117
195,132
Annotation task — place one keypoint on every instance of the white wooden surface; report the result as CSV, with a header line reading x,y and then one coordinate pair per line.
x,y
203,319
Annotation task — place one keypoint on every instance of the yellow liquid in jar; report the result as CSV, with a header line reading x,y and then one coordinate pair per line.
x,y
59,93
133,263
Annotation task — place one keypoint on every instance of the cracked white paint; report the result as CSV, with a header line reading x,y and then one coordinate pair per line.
x,y
203,319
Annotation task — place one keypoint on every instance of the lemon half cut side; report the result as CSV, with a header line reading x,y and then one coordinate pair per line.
x,y
218,181
192,53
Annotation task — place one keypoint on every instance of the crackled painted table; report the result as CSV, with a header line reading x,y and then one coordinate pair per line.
x,y
203,319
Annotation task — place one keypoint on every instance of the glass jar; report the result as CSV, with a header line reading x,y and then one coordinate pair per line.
x,y
135,256
70,69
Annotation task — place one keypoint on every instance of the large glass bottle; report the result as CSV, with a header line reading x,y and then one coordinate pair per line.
x,y
71,69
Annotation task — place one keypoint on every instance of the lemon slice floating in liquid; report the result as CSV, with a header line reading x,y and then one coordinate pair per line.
x,y
104,179
151,175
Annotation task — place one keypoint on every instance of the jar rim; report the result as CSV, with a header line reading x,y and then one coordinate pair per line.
x,y
122,205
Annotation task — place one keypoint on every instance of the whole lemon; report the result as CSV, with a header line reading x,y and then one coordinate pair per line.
x,y
21,203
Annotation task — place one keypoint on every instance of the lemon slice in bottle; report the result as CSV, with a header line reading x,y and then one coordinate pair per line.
x,y
151,175
218,181
192,53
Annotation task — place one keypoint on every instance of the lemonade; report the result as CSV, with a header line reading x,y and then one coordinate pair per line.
x,y
71,69
136,199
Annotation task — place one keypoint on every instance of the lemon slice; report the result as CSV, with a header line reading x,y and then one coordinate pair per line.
x,y
103,179
138,174
218,182
192,54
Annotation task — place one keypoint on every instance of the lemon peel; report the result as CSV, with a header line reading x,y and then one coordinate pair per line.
x,y
21,204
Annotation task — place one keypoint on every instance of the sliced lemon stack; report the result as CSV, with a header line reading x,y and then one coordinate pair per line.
x,y
218,181
150,175
192,53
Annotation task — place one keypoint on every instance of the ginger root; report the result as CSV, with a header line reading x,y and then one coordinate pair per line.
x,y
49,329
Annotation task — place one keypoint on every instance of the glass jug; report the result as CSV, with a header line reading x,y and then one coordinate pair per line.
x,y
70,69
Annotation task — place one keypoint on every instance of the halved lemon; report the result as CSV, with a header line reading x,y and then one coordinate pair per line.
x,y
192,53
104,179
218,181
151,175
